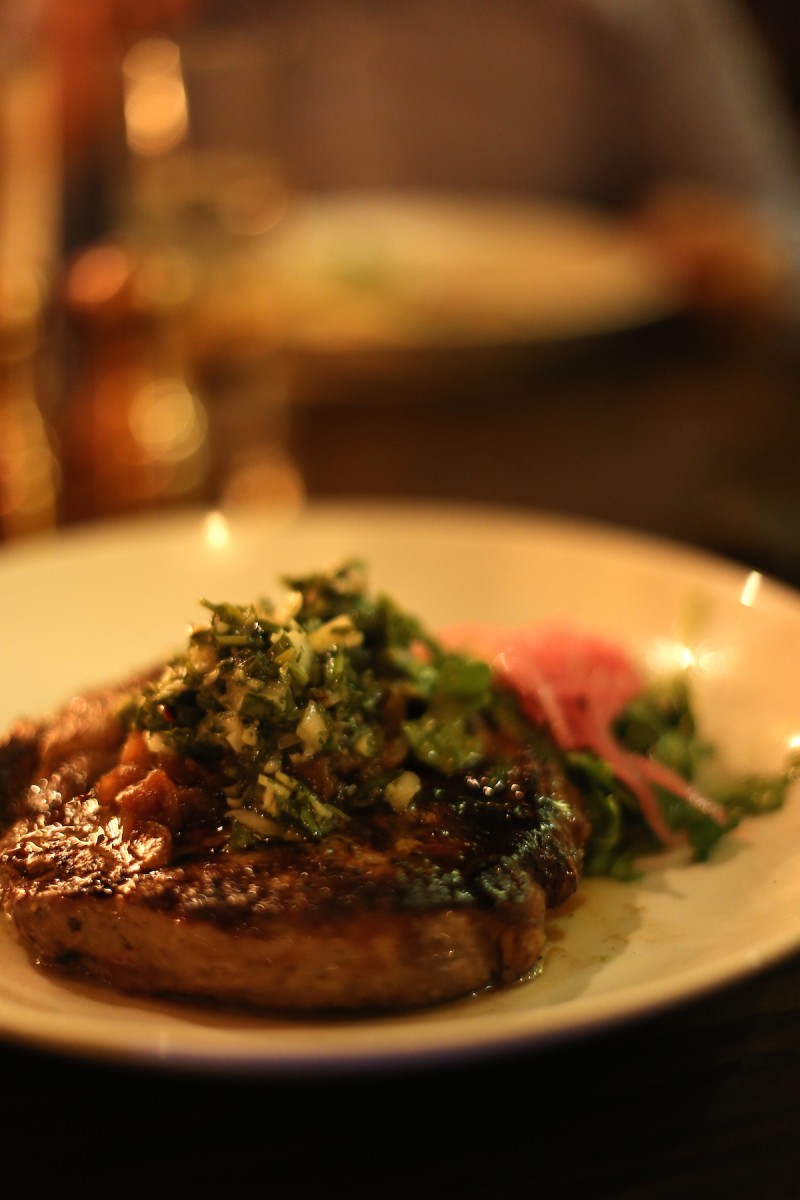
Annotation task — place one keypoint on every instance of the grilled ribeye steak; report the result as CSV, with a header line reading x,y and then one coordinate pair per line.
x,y
349,883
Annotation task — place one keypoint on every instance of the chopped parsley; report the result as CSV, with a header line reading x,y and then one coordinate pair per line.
x,y
313,708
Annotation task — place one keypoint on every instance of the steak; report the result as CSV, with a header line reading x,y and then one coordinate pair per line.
x,y
316,806
400,908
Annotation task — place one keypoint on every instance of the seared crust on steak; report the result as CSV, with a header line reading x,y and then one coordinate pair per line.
x,y
396,908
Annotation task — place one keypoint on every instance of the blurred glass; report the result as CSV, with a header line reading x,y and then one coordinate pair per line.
x,y
30,153
29,470
134,427
200,176
201,190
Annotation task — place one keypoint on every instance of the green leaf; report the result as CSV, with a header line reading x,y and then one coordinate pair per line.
x,y
446,747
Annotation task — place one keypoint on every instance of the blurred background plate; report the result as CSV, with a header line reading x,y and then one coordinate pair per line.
x,y
351,272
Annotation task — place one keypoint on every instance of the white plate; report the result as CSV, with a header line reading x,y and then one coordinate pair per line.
x,y
352,272
84,607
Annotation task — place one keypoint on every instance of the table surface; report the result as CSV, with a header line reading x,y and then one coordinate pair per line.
x,y
676,432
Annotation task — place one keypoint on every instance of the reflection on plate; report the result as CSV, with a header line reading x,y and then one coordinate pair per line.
x,y
90,605
352,272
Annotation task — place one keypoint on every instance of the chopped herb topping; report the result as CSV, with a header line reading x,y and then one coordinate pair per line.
x,y
310,709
